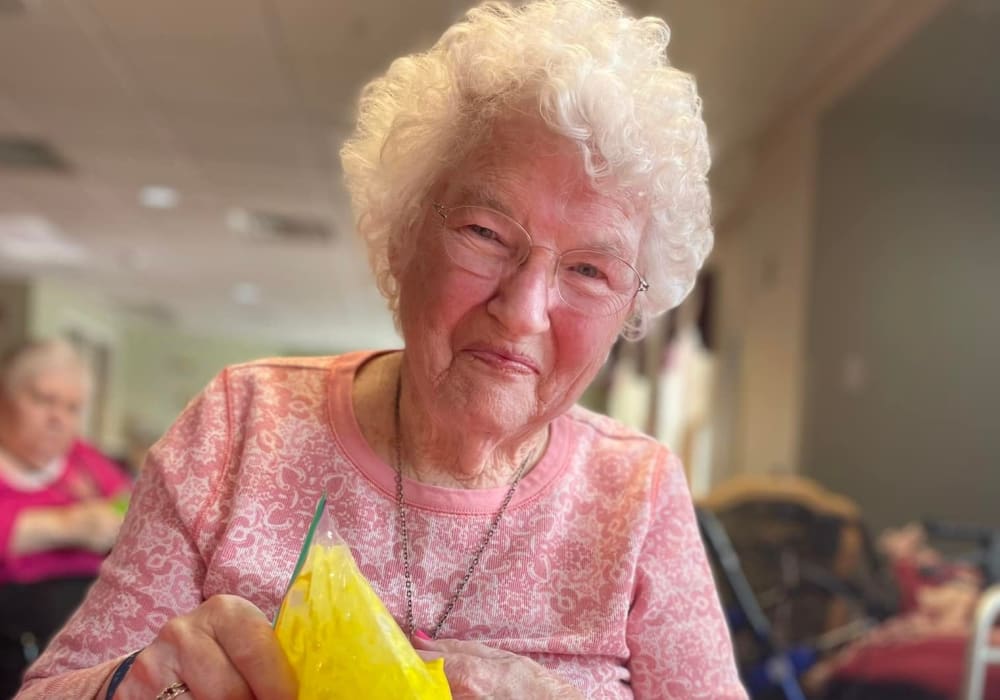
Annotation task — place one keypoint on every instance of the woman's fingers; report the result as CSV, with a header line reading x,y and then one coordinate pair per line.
x,y
476,671
97,524
225,648
429,655
248,639
456,646
208,672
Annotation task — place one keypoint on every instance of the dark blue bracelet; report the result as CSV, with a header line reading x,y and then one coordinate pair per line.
x,y
119,675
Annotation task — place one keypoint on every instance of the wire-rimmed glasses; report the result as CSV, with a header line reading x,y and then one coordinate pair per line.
x,y
490,244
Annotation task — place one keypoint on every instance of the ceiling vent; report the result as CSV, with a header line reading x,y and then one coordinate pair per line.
x,y
12,7
30,154
271,227
153,311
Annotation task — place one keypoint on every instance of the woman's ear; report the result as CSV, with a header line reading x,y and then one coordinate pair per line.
x,y
395,259
402,247
400,250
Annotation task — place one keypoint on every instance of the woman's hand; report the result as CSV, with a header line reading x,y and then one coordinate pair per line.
x,y
224,648
92,525
477,671
95,523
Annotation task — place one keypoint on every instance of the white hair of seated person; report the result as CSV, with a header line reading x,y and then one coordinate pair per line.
x,y
591,74
34,358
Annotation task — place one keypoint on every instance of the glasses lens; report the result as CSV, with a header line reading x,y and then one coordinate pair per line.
x,y
492,245
597,283
483,241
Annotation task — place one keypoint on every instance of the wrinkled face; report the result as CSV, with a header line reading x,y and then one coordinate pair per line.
x,y
508,355
40,417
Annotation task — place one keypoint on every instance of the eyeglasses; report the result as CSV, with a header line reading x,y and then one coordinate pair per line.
x,y
492,245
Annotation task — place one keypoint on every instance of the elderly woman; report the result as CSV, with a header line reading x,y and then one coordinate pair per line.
x,y
57,520
529,189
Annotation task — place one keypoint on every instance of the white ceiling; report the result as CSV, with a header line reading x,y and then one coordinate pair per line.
x,y
241,104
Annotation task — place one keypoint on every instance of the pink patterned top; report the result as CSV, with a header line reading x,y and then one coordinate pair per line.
x,y
597,570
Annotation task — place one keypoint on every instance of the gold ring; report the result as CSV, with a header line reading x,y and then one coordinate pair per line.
x,y
173,690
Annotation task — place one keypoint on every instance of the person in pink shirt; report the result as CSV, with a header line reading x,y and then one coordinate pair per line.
x,y
57,515
529,189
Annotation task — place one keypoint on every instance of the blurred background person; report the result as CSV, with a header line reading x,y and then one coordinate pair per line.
x,y
61,501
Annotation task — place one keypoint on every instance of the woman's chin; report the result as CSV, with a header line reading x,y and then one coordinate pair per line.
x,y
493,411
44,454
34,462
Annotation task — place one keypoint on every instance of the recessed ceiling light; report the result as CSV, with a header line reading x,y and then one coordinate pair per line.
x,y
278,227
239,220
159,197
30,238
246,293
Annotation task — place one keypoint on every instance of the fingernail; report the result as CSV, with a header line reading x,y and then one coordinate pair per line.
x,y
420,634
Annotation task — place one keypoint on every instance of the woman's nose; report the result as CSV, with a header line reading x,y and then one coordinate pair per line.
x,y
57,419
63,417
522,299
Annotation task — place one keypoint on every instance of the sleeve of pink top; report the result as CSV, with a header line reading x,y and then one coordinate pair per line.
x,y
155,570
678,639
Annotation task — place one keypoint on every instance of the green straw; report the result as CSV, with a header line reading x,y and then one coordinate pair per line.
x,y
304,553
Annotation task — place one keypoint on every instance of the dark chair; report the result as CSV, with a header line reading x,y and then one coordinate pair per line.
x,y
30,615
798,575
773,671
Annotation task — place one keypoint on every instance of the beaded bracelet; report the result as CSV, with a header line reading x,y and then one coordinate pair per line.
x,y
119,675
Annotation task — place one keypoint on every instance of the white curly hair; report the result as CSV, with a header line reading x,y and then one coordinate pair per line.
x,y
597,76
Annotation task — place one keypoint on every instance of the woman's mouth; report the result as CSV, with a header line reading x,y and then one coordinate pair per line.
x,y
505,360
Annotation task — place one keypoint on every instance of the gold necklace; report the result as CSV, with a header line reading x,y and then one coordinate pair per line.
x,y
401,516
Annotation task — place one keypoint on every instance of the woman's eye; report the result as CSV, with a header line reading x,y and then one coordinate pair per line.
x,y
483,232
477,233
588,270
42,399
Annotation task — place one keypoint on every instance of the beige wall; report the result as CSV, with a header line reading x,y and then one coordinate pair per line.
x,y
163,369
762,263
903,386
13,312
152,370
765,194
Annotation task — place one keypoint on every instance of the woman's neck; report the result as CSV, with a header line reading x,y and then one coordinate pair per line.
x,y
458,458
22,459
428,450
27,475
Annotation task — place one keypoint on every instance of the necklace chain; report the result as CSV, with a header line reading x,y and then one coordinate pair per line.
x,y
404,532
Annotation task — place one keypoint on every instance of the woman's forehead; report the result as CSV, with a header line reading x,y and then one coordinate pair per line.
x,y
62,380
522,157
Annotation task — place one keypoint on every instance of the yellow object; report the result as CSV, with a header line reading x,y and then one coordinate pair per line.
x,y
120,502
341,640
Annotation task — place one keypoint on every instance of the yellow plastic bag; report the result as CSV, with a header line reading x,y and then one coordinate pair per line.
x,y
338,636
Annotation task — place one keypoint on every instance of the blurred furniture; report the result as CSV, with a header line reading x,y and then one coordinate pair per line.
x,y
800,579
806,554
775,669
798,575
982,651
984,541
30,614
